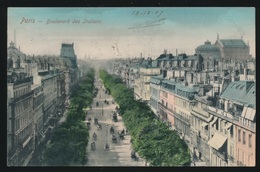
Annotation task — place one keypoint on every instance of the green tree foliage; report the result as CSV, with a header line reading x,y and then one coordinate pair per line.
x,y
152,139
70,139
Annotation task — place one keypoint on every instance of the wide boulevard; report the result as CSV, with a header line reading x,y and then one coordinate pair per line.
x,y
118,154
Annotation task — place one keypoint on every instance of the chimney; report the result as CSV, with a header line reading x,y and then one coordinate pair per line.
x,y
233,77
201,90
19,49
15,37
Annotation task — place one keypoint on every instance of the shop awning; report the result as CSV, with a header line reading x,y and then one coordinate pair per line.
x,y
228,126
211,117
214,120
217,141
244,112
204,124
26,141
250,114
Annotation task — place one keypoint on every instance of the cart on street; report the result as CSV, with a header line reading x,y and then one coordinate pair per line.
x,y
88,125
96,121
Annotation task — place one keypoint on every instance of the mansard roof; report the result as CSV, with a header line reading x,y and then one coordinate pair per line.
x,y
241,92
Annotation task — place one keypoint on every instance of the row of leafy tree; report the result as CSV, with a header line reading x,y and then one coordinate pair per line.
x,y
151,138
70,139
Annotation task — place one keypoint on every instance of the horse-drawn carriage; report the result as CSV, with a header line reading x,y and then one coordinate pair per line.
x,y
94,136
105,101
112,131
99,126
114,117
88,125
93,146
121,136
95,121
114,139
133,156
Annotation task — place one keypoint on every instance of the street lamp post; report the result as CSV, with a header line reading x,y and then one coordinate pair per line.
x,y
107,137
102,110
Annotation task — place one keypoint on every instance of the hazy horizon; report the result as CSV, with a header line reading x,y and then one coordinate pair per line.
x,y
117,32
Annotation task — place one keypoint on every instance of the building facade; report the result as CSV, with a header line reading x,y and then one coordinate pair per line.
x,y
166,104
20,126
155,85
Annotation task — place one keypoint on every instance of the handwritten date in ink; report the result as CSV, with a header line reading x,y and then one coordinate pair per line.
x,y
148,12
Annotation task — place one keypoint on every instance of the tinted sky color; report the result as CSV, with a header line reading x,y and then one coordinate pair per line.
x,y
127,32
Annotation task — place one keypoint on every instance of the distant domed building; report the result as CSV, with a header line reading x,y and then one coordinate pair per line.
x,y
211,55
207,49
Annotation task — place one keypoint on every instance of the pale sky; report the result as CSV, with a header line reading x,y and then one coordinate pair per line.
x,y
126,32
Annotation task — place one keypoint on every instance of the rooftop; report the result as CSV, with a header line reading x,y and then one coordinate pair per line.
x,y
233,43
207,47
242,92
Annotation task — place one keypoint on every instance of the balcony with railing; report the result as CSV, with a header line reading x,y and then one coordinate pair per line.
x,y
237,119
165,107
222,155
251,126
202,111
221,113
182,118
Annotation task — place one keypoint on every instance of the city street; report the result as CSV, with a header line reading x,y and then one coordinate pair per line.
x,y
119,154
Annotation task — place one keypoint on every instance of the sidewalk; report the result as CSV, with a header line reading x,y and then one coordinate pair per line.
x,y
125,148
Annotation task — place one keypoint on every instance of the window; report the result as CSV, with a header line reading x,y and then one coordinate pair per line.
x,y
216,124
231,150
244,137
221,125
239,135
231,131
171,107
206,128
250,140
238,158
243,157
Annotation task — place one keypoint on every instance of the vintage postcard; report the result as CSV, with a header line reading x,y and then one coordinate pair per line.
x,y
131,86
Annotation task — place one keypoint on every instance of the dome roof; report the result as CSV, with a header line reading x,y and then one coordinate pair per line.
x,y
207,47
